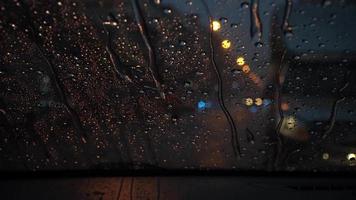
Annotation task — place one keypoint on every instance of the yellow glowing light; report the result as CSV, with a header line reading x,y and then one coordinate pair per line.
x,y
258,101
225,44
216,25
110,23
248,101
240,61
246,68
291,122
351,156
326,156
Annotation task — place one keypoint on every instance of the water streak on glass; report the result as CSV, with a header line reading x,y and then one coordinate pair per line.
x,y
234,135
256,25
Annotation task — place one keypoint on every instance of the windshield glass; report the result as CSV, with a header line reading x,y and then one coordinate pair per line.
x,y
263,85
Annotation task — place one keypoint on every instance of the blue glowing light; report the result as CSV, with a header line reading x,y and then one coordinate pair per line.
x,y
201,105
266,102
253,109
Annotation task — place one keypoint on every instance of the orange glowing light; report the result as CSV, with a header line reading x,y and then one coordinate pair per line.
x,y
284,106
246,69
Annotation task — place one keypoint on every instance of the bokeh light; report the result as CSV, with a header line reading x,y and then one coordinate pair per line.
x,y
226,44
258,101
246,68
216,25
240,61
248,101
351,156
